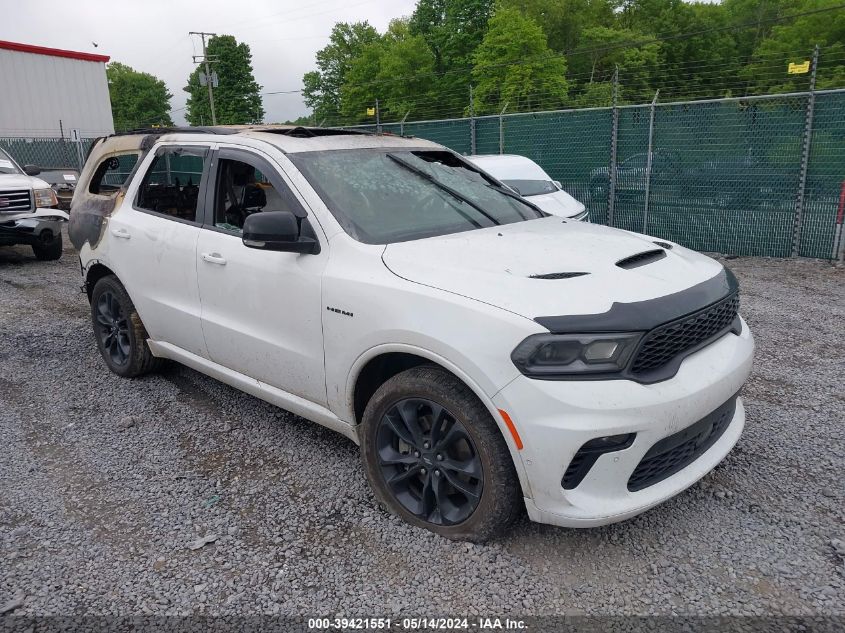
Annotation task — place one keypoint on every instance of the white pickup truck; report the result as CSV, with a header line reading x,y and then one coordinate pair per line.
x,y
28,213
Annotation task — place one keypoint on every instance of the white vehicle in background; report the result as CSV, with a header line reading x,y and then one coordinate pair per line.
x,y
529,180
28,213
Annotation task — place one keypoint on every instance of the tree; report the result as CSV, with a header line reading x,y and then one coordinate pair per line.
x,y
515,65
793,41
322,87
237,98
698,57
604,49
398,70
564,21
452,30
137,99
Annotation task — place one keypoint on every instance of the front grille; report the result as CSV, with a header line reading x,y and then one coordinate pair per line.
x,y
666,342
678,451
18,200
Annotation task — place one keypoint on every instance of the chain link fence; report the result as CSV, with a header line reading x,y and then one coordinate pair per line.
x,y
761,175
47,152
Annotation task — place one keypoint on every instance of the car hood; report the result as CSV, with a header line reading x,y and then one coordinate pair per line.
x,y
497,266
558,203
21,181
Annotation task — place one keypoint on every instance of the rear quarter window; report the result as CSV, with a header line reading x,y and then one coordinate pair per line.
x,y
112,173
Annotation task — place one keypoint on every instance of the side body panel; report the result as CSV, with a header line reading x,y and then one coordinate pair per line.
x,y
261,310
155,259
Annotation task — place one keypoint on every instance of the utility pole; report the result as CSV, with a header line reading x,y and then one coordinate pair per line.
x,y
208,80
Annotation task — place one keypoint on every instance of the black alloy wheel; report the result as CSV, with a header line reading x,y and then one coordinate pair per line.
x,y
118,330
113,329
429,461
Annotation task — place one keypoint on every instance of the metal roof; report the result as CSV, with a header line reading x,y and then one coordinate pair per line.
x,y
52,52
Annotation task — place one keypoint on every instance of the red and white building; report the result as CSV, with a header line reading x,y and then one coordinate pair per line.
x,y
50,93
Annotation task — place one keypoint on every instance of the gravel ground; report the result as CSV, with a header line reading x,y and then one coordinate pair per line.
x,y
105,483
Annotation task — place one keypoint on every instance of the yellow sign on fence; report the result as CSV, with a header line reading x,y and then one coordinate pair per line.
x,y
798,69
371,111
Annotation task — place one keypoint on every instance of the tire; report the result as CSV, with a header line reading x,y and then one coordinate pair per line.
x,y
465,436
118,330
48,251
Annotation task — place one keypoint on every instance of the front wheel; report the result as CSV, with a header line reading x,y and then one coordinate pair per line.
x,y
121,337
435,457
48,251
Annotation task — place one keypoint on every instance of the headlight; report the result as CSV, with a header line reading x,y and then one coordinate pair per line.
x,y
45,198
560,355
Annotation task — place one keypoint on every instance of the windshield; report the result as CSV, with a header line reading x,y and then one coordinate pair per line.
x,y
531,187
381,196
7,165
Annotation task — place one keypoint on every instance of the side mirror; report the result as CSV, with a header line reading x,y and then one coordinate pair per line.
x,y
557,184
31,170
279,231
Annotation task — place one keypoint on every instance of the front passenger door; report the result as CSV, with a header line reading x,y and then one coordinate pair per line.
x,y
261,310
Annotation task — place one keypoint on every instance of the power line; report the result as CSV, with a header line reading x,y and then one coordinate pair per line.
x,y
208,76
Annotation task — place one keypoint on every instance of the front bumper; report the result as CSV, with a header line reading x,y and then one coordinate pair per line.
x,y
555,419
31,228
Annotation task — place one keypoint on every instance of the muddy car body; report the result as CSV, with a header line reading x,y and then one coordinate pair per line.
x,y
487,356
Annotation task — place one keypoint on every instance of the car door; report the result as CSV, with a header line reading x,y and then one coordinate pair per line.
x,y
261,310
154,240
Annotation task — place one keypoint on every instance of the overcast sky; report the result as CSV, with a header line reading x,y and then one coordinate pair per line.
x,y
152,35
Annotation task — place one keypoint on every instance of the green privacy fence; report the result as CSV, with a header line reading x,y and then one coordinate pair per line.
x,y
47,152
745,176
761,175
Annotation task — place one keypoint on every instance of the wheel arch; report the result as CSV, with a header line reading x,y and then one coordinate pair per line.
x,y
95,271
382,362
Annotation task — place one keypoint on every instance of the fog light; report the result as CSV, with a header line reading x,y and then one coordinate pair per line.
x,y
609,443
600,350
589,454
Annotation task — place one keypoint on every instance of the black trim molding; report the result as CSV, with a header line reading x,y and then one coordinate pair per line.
x,y
645,316
641,316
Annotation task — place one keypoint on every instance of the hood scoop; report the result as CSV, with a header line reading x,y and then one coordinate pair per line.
x,y
557,275
642,259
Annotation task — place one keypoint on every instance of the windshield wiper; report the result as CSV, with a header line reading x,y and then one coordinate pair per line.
x,y
510,194
452,192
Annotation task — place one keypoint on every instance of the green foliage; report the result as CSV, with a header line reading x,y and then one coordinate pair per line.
x,y
237,99
137,99
398,70
513,65
505,49
793,42
564,21
322,87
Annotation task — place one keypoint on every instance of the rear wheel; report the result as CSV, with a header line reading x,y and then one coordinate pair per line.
x,y
121,337
436,458
48,250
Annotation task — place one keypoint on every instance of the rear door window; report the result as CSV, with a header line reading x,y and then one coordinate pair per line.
x,y
171,185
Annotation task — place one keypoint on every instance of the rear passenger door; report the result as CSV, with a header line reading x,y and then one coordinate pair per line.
x,y
153,243
261,310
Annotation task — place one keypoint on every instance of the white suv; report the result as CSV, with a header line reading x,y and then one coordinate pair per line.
x,y
485,355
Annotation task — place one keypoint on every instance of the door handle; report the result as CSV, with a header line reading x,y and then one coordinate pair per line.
x,y
121,233
214,258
